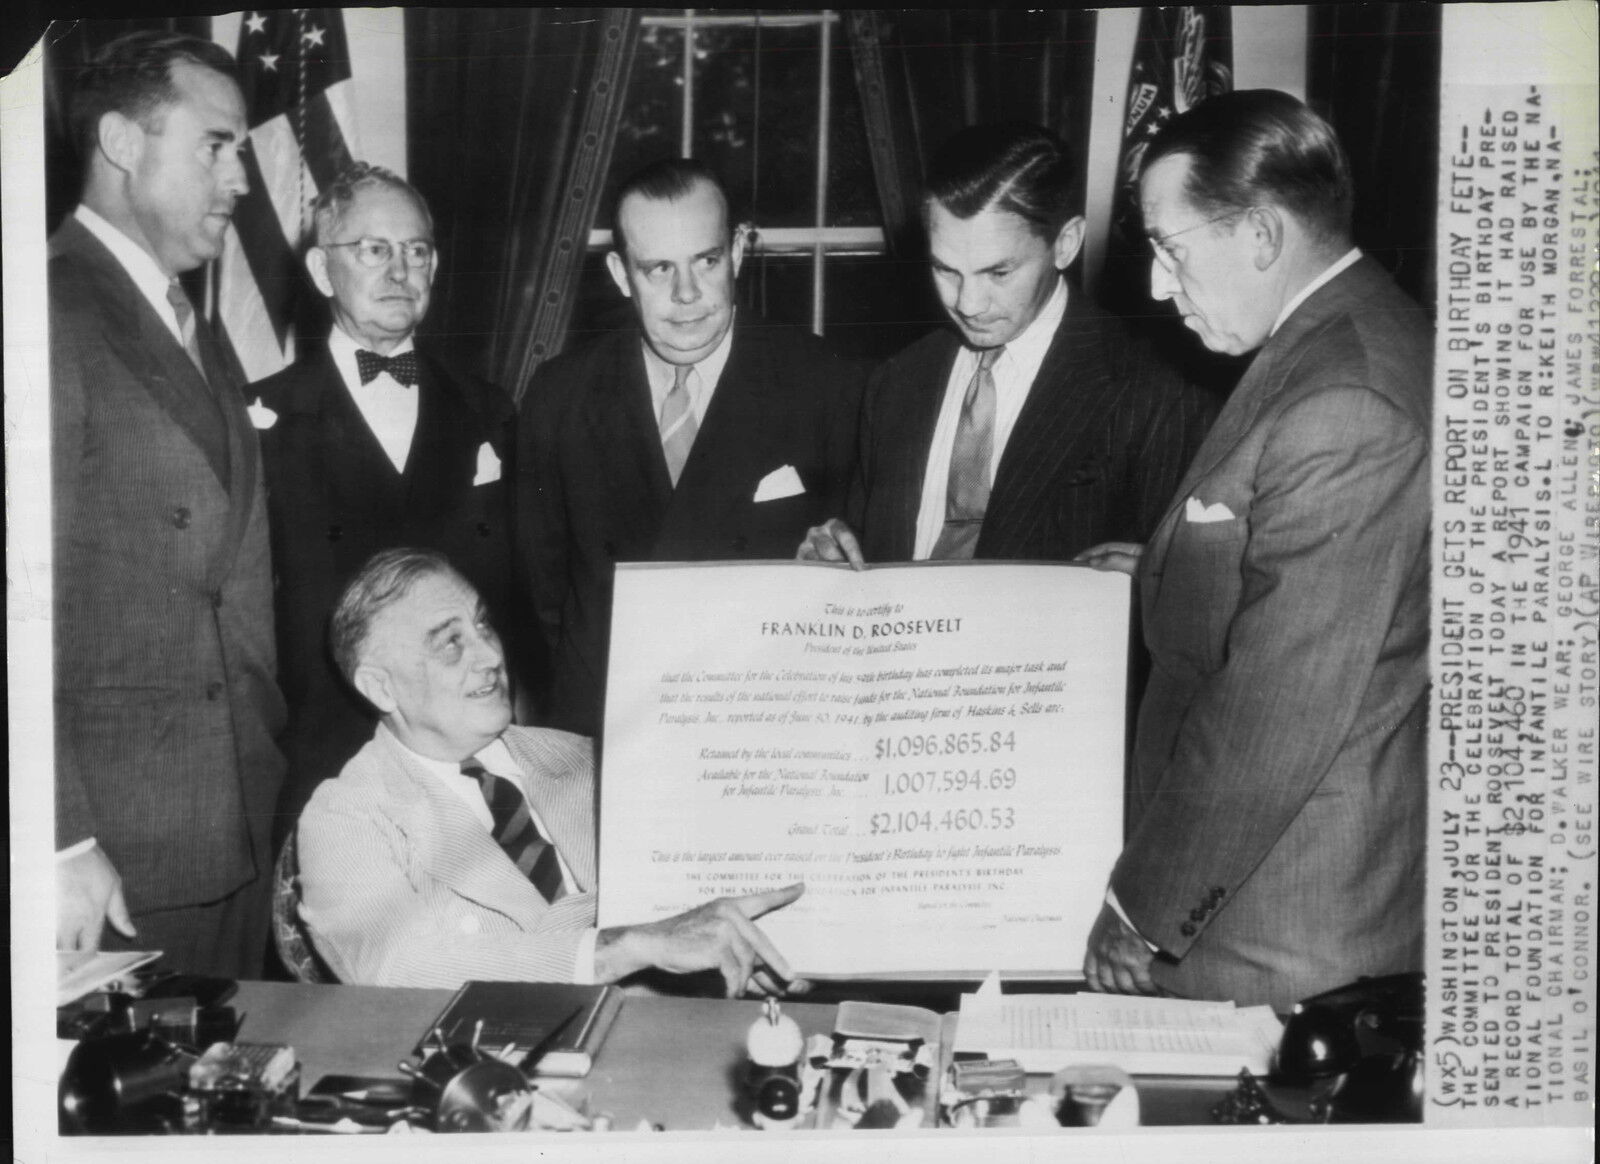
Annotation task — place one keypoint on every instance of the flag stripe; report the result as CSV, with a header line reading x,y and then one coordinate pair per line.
x,y
270,257
322,141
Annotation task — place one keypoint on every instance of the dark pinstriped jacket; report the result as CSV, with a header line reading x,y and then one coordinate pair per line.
x,y
166,706
1099,448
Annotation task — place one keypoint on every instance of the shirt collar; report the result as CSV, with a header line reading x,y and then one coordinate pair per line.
x,y
343,350
1029,347
1315,285
494,756
661,373
145,272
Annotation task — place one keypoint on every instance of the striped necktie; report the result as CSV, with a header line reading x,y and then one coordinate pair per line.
x,y
515,832
967,494
678,427
184,310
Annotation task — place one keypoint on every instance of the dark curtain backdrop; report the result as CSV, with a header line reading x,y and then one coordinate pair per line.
x,y
1373,72
512,113
925,74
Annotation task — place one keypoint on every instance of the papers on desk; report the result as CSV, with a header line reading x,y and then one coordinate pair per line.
x,y
81,972
1143,1036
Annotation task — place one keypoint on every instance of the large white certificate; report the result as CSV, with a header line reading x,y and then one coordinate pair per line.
x,y
935,750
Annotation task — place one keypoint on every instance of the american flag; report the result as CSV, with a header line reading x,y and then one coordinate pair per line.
x,y
1182,56
294,69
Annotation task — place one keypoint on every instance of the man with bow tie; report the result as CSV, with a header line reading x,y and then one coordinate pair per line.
x,y
1038,427
454,846
369,443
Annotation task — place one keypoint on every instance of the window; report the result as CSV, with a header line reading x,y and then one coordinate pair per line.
x,y
768,100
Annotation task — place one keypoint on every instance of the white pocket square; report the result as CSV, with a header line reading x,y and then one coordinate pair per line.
x,y
1199,513
779,483
261,416
488,465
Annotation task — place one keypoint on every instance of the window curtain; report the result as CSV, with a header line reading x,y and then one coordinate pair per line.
x,y
925,74
1373,72
513,115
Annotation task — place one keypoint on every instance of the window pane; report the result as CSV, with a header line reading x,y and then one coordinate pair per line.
x,y
652,114
852,195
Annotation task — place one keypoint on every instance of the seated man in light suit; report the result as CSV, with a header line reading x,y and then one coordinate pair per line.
x,y
454,846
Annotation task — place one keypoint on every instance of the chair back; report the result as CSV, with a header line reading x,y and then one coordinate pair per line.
x,y
288,931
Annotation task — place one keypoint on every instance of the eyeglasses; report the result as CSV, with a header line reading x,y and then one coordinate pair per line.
x,y
378,252
1158,242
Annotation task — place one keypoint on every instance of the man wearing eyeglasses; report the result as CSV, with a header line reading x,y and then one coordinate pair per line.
x,y
369,444
1279,776
1037,426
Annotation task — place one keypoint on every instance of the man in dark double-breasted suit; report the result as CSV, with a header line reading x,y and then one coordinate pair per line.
x,y
370,444
696,437
1038,427
165,702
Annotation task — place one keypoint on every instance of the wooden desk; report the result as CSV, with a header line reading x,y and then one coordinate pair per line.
x,y
669,1061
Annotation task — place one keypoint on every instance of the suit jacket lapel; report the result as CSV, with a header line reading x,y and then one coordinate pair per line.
x,y
354,466
434,468
452,844
911,441
626,440
1065,409
143,342
1260,383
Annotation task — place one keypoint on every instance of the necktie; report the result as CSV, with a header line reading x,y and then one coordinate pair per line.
x,y
185,313
515,832
967,494
678,425
402,368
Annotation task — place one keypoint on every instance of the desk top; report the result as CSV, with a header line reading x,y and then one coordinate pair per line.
x,y
675,1062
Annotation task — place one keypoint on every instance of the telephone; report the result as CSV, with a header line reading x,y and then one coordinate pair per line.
x,y
1368,1036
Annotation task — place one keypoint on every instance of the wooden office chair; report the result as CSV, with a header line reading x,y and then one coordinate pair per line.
x,y
294,947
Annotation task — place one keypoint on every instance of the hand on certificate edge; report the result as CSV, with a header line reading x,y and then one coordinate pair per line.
x,y
1122,557
88,894
832,541
719,935
1117,960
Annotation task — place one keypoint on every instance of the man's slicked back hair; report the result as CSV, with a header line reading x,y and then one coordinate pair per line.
x,y
666,180
1013,166
384,580
133,76
334,199
1258,147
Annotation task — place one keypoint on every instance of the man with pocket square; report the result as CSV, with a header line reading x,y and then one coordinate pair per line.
x,y
369,443
1037,426
1279,781
703,434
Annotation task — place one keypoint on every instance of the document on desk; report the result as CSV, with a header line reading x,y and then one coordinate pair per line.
x,y
1143,1036
935,750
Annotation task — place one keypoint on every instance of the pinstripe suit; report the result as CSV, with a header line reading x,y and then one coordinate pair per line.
x,y
1279,775
402,886
1098,449
165,702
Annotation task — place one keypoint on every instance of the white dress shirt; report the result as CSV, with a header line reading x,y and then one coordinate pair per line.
x,y
700,383
497,758
1310,288
134,259
1014,373
388,406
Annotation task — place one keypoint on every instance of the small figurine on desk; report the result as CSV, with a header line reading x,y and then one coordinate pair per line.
x,y
774,1046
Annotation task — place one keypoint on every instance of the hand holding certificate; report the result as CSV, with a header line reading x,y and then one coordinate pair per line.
x,y
936,751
